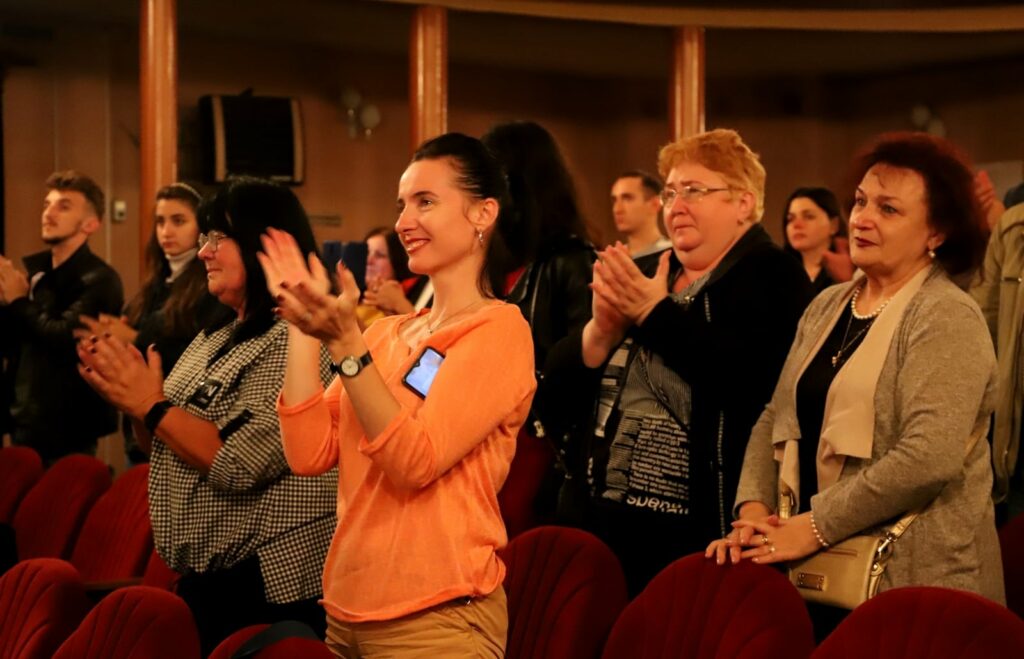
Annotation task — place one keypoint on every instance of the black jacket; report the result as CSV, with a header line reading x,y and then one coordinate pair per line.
x,y
53,409
728,344
554,294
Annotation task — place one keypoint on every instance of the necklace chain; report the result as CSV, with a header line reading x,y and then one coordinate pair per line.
x,y
443,320
848,344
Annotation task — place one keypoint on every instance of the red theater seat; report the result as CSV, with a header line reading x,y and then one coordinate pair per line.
x,y
137,621
116,540
696,609
1011,540
518,495
20,468
159,575
287,648
41,602
51,514
926,623
565,588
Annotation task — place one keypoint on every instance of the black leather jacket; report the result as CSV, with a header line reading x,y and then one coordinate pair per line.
x,y
554,294
53,409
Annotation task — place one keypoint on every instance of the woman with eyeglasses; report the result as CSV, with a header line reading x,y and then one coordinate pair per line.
x,y
247,535
682,362
173,304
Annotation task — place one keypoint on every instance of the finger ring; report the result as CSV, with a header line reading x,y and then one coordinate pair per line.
x,y
771,549
765,540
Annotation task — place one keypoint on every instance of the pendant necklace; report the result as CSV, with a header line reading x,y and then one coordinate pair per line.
x,y
847,345
443,320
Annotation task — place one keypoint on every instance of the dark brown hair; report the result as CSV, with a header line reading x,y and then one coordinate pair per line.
x,y
187,289
71,180
953,208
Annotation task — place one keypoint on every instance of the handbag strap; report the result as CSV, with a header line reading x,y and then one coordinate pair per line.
x,y
901,525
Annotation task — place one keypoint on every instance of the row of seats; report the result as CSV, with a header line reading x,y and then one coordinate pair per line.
x,y
566,600
72,511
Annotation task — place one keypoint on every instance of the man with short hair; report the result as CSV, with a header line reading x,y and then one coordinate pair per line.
x,y
52,409
636,207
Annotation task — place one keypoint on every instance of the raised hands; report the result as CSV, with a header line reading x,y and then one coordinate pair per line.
x,y
619,281
837,261
301,287
105,324
388,296
119,373
13,282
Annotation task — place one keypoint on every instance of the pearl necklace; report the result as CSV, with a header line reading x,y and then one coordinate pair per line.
x,y
873,314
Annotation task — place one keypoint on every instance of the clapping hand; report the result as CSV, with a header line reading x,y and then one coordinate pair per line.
x,y
837,262
13,282
619,281
105,324
119,373
301,288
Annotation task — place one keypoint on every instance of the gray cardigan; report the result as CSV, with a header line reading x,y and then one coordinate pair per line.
x,y
937,386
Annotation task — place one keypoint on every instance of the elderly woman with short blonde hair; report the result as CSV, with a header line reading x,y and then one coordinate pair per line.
x,y
682,353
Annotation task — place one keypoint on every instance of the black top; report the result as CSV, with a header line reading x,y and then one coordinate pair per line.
x,y
53,409
152,323
728,344
812,389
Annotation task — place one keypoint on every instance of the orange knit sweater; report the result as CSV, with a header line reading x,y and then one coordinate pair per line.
x,y
418,518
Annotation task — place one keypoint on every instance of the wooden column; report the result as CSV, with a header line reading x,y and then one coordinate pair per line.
x,y
686,90
428,73
158,91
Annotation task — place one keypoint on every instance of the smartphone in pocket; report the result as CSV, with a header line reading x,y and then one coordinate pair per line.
x,y
421,376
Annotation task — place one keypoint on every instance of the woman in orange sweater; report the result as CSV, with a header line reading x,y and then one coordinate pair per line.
x,y
421,420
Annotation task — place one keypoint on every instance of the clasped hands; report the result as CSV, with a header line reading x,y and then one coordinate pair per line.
x,y
301,287
766,539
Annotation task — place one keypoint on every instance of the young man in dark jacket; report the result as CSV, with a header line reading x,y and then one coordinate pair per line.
x,y
52,409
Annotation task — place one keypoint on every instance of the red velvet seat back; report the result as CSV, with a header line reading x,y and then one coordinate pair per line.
x,y
41,602
288,648
51,514
1011,540
926,623
565,589
20,468
158,575
696,609
137,621
116,539
516,499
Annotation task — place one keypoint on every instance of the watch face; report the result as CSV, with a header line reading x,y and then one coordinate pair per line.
x,y
349,366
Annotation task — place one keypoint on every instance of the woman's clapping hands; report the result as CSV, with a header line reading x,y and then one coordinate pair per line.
x,y
301,287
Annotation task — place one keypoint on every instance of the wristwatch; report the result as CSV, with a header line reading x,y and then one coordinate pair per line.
x,y
350,366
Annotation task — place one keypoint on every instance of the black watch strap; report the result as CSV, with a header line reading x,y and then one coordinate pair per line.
x,y
357,364
156,414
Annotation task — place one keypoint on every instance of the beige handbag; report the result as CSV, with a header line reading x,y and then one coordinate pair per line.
x,y
848,573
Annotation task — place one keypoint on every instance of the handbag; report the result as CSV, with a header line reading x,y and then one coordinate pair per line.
x,y
848,573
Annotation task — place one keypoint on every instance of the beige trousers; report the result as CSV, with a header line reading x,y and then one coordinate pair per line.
x,y
464,628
